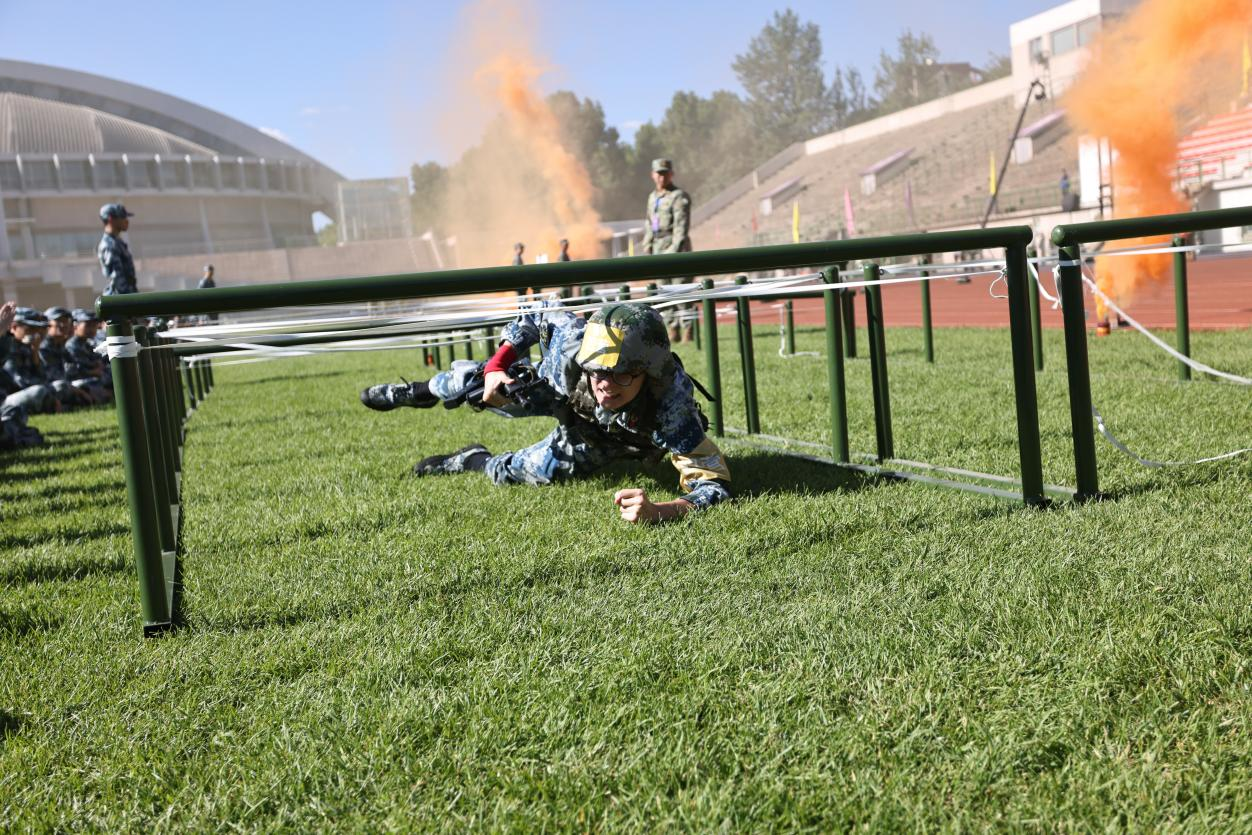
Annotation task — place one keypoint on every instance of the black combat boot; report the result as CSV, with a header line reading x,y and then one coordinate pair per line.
x,y
470,459
388,396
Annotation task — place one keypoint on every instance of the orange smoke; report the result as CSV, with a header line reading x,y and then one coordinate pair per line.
x,y
520,182
1168,63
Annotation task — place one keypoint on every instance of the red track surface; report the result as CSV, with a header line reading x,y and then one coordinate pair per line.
x,y
1219,292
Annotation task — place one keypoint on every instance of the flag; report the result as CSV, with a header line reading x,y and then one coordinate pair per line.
x,y
795,222
991,168
849,219
630,245
908,202
755,225
1247,65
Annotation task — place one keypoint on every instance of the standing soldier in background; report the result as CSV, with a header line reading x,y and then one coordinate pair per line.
x,y
564,256
518,249
115,261
668,216
207,283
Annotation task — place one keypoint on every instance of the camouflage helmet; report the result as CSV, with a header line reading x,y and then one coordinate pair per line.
x,y
626,338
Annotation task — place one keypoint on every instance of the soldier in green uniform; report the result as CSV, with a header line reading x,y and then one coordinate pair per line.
x,y
668,223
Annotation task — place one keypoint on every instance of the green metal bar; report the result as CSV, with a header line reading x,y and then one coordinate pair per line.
x,y
558,274
1138,227
713,366
747,355
169,412
835,371
489,347
928,332
790,327
695,326
1182,318
1076,368
197,378
847,305
208,371
438,358
1024,377
141,496
878,364
469,348
158,445
1036,325
190,383
623,292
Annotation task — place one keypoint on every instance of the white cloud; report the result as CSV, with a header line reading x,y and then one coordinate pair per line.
x,y
275,133
310,111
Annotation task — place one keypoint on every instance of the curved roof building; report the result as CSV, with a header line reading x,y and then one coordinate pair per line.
x,y
199,182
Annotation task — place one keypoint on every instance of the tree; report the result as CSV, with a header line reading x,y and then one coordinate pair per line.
x,y
328,235
907,78
997,66
586,135
782,74
430,182
712,141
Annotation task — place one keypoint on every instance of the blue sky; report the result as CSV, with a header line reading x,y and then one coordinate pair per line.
x,y
357,85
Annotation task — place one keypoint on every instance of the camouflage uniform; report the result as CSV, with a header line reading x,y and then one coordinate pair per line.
x,y
83,363
667,223
117,265
663,418
15,396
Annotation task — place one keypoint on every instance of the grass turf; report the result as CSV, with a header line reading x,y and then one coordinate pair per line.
x,y
369,651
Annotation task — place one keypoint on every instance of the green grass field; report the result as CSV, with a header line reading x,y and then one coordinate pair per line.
x,y
369,651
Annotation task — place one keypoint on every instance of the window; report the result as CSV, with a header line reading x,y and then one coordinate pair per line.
x,y
39,174
1087,30
230,173
202,174
74,174
1064,40
1036,50
108,174
10,177
142,173
252,176
173,173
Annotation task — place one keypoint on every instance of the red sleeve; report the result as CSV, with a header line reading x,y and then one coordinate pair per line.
x,y
503,358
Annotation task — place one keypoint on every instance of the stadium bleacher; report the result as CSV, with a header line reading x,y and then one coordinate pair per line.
x,y
947,174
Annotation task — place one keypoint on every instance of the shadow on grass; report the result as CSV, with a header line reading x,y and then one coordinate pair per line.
x,y
29,540
40,572
20,623
9,724
94,490
286,378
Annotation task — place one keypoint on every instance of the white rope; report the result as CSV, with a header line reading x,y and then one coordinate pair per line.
x,y
122,347
1108,436
782,336
1056,300
991,288
1160,343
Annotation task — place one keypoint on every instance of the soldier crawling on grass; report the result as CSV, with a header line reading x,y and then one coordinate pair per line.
x,y
616,389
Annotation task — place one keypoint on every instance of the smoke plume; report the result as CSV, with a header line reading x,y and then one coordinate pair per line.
x,y
1167,65
520,182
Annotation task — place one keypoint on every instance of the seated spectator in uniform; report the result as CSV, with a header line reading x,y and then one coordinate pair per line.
x,y
52,357
14,431
617,390
81,360
20,381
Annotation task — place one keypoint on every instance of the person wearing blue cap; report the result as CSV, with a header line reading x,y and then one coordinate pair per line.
x,y
23,379
15,402
74,390
81,360
114,254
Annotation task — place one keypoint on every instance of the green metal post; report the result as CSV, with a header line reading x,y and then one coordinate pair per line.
x,y
790,327
197,377
1182,319
489,347
623,292
1036,325
834,369
695,326
713,367
878,364
438,358
169,412
428,358
145,535
928,333
190,383
747,356
847,300
1028,444
1076,368
208,370
158,444
469,347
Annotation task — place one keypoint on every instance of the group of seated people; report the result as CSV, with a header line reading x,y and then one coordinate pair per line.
x,y
50,364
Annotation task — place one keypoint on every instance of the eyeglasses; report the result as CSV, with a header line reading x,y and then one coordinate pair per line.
x,y
621,378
